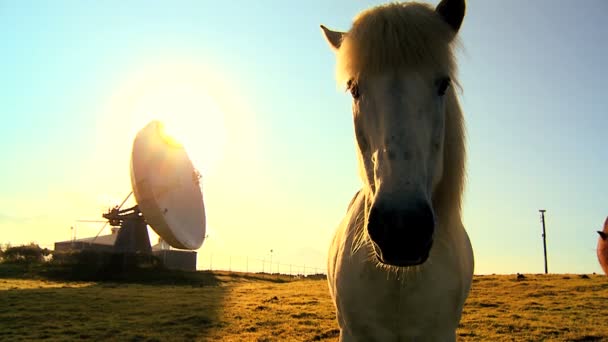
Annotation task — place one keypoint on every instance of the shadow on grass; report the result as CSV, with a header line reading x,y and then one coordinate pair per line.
x,y
144,303
141,304
111,311
14,271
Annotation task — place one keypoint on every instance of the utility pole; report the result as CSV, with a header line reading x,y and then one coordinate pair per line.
x,y
271,261
542,219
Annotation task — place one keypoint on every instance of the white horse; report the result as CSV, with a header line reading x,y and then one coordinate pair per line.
x,y
401,263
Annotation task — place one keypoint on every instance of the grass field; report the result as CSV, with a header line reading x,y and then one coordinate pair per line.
x,y
222,306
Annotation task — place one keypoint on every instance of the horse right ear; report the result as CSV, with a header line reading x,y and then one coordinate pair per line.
x,y
452,11
333,38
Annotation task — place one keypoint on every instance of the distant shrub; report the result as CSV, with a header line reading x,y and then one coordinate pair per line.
x,y
317,276
26,254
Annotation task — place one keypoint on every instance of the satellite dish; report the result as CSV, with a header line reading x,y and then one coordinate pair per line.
x,y
167,189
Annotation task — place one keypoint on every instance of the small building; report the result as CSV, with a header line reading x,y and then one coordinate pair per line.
x,y
102,243
175,259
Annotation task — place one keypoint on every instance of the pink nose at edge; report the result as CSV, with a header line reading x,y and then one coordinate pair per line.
x,y
602,247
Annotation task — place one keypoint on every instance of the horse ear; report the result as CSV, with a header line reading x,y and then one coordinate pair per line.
x,y
334,38
452,11
602,235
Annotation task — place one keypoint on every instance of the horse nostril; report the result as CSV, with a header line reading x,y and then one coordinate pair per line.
x,y
374,222
423,221
410,220
402,234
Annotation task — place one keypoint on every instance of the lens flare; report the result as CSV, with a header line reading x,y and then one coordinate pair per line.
x,y
190,119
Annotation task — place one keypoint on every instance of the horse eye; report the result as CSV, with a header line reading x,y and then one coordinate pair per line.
x,y
353,87
442,85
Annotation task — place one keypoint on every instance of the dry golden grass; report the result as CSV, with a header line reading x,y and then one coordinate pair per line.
x,y
27,284
539,307
240,307
294,311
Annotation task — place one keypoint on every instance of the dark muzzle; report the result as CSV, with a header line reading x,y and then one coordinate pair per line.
x,y
401,237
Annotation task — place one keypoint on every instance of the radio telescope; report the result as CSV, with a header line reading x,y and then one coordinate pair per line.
x,y
169,199
167,190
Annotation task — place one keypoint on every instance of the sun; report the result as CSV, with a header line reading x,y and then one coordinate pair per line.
x,y
190,117
179,96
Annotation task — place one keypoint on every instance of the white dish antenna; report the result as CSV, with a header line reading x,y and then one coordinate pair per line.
x,y
166,188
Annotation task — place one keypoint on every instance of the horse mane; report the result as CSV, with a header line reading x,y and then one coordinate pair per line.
x,y
396,36
412,36
447,198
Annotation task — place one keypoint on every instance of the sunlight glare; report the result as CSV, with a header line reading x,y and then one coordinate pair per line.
x,y
189,115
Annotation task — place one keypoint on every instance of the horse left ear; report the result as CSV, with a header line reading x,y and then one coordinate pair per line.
x,y
333,38
452,11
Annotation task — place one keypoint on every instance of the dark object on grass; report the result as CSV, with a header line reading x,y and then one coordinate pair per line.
x,y
273,299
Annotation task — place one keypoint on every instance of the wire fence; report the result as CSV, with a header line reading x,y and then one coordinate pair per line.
x,y
221,262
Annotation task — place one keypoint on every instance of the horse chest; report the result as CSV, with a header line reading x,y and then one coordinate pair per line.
x,y
374,294
371,300
375,309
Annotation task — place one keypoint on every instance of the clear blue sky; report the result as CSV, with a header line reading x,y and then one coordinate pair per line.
x,y
534,81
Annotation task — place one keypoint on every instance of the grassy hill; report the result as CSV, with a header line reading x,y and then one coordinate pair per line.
x,y
250,307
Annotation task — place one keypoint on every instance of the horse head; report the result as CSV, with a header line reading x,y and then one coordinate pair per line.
x,y
398,65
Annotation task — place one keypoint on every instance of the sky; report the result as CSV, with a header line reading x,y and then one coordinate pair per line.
x,y
249,87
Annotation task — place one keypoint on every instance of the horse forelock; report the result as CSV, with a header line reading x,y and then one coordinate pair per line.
x,y
396,36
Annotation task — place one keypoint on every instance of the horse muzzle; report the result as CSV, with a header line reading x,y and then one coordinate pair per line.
x,y
401,237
